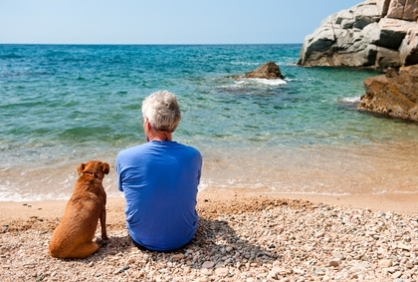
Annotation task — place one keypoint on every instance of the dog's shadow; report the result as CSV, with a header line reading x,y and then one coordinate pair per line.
x,y
215,243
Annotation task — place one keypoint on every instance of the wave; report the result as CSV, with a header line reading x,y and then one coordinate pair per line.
x,y
261,81
10,56
351,100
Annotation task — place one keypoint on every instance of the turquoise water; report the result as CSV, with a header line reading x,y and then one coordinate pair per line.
x,y
65,104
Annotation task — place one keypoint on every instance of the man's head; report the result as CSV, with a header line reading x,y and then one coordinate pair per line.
x,y
162,111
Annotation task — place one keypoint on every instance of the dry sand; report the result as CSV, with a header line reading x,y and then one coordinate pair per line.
x,y
243,235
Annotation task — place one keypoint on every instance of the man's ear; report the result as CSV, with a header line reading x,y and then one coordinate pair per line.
x,y
148,124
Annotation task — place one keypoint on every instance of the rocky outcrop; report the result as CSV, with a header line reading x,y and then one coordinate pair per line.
x,y
266,71
375,34
394,94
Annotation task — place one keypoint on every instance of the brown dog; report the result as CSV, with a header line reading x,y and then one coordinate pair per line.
x,y
74,234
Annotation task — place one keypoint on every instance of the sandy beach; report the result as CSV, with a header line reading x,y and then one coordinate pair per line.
x,y
243,235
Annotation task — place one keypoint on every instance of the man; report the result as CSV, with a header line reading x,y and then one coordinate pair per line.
x,y
160,179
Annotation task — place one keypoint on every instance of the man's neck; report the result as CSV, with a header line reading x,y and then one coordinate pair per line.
x,y
160,136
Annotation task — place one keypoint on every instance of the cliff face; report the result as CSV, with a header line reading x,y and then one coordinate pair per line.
x,y
374,34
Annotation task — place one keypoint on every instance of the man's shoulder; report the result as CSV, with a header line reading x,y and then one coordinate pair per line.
x,y
189,148
132,151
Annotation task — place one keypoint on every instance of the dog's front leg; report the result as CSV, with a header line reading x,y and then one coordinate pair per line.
x,y
103,224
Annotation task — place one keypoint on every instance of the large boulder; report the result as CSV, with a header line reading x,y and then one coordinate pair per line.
x,y
394,93
375,34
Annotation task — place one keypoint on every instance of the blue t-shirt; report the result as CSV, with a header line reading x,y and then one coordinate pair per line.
x,y
160,180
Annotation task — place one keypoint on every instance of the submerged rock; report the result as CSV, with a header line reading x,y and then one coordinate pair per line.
x,y
375,34
394,94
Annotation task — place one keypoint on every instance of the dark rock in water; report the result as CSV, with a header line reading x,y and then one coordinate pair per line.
x,y
375,34
267,71
394,94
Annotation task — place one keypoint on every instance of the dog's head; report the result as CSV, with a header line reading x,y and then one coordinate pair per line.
x,y
96,168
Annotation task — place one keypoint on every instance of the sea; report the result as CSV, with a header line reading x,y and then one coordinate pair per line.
x,y
62,105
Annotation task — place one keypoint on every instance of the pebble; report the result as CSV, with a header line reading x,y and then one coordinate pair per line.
x,y
222,271
208,264
228,249
178,256
397,274
334,263
404,247
385,263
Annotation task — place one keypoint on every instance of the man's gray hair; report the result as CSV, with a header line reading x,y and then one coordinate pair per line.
x,y
162,111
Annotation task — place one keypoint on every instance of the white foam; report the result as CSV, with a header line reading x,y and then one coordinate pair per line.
x,y
245,63
351,99
262,81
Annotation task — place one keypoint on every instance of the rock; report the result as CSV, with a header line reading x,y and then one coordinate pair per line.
x,y
280,270
298,271
208,264
387,58
393,94
409,265
222,271
178,256
334,263
403,9
375,34
318,270
337,255
266,71
404,247
390,33
385,263
408,51
273,274
396,275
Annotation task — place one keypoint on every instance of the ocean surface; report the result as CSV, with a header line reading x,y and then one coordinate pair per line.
x,y
61,105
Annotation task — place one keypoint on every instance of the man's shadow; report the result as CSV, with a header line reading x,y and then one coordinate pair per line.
x,y
215,244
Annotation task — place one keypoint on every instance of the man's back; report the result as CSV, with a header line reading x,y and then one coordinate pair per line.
x,y
160,180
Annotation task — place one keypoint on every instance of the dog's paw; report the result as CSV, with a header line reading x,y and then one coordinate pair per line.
x,y
102,242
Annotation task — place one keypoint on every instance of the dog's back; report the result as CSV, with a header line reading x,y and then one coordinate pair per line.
x,y
74,234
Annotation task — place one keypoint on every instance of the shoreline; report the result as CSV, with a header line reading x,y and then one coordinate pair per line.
x,y
44,215
54,209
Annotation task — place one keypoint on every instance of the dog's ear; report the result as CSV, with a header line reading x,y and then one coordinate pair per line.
x,y
80,168
105,168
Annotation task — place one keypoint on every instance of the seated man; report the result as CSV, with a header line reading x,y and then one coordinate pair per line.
x,y
160,179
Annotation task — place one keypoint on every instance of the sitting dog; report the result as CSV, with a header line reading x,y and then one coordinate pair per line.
x,y
73,237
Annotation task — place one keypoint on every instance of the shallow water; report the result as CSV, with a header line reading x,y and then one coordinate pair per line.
x,y
62,105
